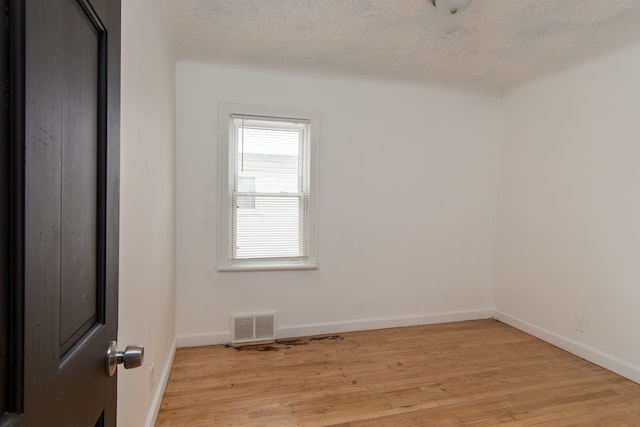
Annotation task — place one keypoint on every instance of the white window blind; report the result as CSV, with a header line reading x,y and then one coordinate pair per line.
x,y
269,189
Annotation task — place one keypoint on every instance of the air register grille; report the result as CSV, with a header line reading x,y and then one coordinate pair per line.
x,y
253,327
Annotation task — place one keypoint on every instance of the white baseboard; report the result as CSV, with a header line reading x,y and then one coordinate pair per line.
x,y
600,358
379,323
200,340
159,392
301,330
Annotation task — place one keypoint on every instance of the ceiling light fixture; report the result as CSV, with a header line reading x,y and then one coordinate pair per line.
x,y
451,6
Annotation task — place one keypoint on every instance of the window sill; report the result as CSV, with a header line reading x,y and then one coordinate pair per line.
x,y
267,266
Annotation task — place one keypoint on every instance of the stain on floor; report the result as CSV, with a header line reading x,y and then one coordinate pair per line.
x,y
283,344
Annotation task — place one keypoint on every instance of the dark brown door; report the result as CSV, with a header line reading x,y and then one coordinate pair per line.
x,y
61,220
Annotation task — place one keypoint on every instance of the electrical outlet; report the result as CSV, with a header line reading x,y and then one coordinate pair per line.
x,y
152,374
581,323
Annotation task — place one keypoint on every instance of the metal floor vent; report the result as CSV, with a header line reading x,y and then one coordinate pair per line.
x,y
253,327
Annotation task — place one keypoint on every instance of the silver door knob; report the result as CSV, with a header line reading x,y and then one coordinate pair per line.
x,y
131,357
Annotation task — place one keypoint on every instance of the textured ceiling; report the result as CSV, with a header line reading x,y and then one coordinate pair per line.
x,y
491,46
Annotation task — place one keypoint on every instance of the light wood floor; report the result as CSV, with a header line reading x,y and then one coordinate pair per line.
x,y
479,373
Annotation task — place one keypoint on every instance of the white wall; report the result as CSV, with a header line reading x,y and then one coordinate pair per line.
x,y
147,214
407,196
569,210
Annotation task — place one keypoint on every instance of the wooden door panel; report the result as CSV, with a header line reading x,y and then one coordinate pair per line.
x,y
79,171
4,219
68,188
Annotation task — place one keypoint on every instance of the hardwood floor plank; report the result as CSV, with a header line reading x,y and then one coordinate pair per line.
x,y
480,373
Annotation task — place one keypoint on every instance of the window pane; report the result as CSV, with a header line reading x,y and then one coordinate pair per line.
x,y
274,228
269,158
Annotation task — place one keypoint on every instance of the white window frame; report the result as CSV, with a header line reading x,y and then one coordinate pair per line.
x,y
225,187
